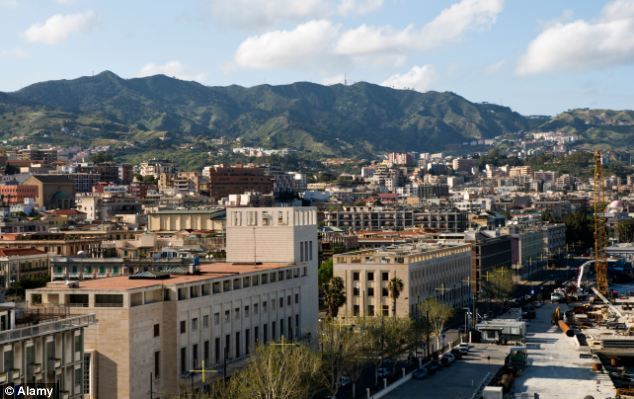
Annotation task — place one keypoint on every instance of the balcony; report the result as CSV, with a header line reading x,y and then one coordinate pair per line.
x,y
37,368
54,363
51,327
15,374
4,377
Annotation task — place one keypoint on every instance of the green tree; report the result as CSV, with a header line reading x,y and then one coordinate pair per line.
x,y
498,284
334,296
436,315
385,338
278,371
579,230
325,272
341,353
395,287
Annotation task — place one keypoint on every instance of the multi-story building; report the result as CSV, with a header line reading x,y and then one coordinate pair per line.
x,y
53,243
155,328
381,218
187,219
16,194
554,241
237,180
105,206
49,352
154,167
22,264
520,171
490,250
53,191
43,155
427,270
527,247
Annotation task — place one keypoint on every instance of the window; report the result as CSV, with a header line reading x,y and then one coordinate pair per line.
x,y
246,311
281,303
183,360
385,276
217,350
386,310
370,276
370,310
310,250
206,321
227,315
194,356
157,364
355,276
216,318
264,306
301,251
288,300
227,346
247,339
384,292
78,376
282,329
183,327
296,298
355,310
273,330
370,291
265,331
206,352
157,330
236,313
255,308
355,291
238,344
195,324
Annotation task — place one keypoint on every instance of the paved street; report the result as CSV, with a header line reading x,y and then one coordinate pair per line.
x,y
555,369
457,381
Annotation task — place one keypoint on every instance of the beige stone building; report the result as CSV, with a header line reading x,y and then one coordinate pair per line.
x,y
186,219
159,327
427,270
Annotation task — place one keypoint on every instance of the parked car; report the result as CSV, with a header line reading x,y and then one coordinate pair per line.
x,y
447,358
420,373
463,347
456,352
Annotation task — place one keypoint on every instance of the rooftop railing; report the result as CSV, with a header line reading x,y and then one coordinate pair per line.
x,y
46,328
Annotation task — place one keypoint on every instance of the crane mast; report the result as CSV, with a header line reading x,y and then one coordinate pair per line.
x,y
600,235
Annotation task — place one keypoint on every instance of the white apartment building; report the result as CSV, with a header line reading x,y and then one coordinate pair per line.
x,y
45,353
427,270
155,328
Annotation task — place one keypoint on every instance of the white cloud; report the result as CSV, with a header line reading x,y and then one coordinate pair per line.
x,y
580,44
333,80
448,26
321,41
251,13
418,78
59,27
16,54
263,13
358,6
494,68
172,68
307,43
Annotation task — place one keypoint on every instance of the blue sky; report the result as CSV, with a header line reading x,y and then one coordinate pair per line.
x,y
538,56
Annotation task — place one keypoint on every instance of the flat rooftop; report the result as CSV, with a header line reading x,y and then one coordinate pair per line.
x,y
208,271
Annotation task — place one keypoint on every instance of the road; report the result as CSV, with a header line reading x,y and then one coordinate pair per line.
x,y
457,381
555,368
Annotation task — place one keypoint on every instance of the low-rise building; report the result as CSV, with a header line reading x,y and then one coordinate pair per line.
x,y
187,219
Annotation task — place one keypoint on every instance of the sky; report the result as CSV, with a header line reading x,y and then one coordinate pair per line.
x,y
537,56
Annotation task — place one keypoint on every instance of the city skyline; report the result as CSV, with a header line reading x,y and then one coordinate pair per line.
x,y
538,58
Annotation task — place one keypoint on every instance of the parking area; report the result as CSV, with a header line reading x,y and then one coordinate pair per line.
x,y
459,380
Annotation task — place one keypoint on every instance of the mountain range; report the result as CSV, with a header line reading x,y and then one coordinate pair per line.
x,y
358,119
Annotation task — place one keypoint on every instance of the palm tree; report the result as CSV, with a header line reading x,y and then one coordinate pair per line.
x,y
334,295
395,287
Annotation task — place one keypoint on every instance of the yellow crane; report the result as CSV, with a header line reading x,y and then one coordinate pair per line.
x,y
600,235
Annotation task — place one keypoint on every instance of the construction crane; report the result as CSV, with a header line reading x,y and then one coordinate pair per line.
x,y
600,236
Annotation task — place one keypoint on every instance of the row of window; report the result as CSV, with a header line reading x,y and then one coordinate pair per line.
x,y
218,287
385,276
385,310
227,314
305,251
234,346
